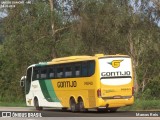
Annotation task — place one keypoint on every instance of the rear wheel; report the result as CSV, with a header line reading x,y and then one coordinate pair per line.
x,y
36,104
81,106
112,109
64,109
73,105
107,109
102,110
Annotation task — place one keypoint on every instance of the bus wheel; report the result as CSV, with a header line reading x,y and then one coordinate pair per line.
x,y
36,104
64,109
81,105
102,110
112,109
73,105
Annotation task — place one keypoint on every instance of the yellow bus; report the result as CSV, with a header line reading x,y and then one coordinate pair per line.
x,y
80,83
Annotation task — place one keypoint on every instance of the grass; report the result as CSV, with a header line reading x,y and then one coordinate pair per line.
x,y
12,104
137,106
143,105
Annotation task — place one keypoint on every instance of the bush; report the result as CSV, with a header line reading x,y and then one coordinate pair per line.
x,y
146,95
141,104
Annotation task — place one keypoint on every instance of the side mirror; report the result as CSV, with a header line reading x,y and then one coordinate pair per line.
x,y
23,78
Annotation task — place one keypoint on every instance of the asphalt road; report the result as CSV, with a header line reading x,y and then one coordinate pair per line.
x,y
50,113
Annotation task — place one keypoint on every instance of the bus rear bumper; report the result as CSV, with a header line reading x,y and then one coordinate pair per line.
x,y
111,103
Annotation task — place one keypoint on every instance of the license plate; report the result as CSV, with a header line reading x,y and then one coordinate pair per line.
x,y
117,97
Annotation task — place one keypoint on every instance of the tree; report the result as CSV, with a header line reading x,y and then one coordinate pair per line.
x,y
48,29
112,27
27,41
55,30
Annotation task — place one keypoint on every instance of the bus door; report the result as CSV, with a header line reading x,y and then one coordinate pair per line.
x,y
28,91
116,77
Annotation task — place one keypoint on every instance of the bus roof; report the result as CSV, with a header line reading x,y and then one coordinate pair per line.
x,y
76,58
83,57
70,58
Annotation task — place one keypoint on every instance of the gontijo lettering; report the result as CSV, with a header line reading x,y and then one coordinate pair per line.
x,y
65,84
117,73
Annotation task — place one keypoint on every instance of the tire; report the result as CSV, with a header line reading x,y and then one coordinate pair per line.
x,y
81,106
102,110
36,104
73,105
107,109
64,109
112,109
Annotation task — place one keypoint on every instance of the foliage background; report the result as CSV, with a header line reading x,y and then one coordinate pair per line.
x,y
27,36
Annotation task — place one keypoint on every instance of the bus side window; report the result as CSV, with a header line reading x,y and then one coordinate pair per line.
x,y
59,72
68,71
77,70
43,73
91,65
84,69
51,72
36,74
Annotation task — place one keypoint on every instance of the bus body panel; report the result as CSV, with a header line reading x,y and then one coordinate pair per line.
x,y
116,82
82,87
37,92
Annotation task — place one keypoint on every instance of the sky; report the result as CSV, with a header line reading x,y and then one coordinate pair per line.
x,y
2,14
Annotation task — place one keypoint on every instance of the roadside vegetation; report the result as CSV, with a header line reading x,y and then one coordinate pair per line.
x,y
47,29
13,104
139,105
142,105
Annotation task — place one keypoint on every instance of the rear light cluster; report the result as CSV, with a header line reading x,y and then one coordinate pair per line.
x,y
132,91
99,92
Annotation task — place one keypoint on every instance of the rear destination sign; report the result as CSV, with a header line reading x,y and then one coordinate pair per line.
x,y
116,73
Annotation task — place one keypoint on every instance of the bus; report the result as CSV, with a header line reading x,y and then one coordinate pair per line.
x,y
79,83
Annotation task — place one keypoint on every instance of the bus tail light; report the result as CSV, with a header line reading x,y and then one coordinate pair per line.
x,y
99,92
132,91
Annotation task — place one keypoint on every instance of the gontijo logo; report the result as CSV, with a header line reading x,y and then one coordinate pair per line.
x,y
115,63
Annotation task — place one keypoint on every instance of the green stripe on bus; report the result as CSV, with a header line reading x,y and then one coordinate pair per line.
x,y
48,91
51,91
44,90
